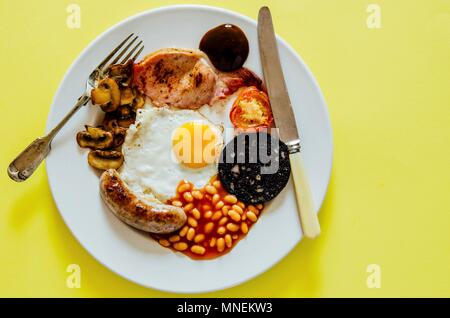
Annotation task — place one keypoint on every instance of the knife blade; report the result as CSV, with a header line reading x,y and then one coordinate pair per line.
x,y
274,79
285,120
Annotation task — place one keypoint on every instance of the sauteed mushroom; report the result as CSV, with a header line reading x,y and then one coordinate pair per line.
x,y
95,138
139,101
119,101
122,73
110,122
127,96
104,160
125,116
126,122
106,94
124,111
119,136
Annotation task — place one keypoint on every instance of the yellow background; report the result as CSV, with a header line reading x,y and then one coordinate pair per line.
x,y
388,94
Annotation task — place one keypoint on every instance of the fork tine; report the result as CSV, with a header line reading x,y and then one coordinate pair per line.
x,y
130,53
123,51
138,52
106,60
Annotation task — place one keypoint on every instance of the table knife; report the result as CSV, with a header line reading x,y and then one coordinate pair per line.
x,y
285,120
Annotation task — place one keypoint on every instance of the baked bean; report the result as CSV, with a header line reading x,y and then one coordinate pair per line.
x,y
192,222
215,199
244,228
188,197
177,203
219,205
209,227
199,238
244,217
220,245
251,216
180,246
174,238
236,217
164,242
221,230
217,215
230,199
228,240
223,220
237,208
188,207
225,209
183,231
197,194
206,207
260,206
210,189
190,234
253,209
241,204
212,243
208,214
217,184
232,227
208,197
235,236
197,249
196,213
184,187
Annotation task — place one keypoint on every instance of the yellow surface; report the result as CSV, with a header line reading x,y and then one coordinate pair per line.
x,y
388,94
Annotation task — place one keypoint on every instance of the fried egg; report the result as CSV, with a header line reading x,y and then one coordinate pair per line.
x,y
166,146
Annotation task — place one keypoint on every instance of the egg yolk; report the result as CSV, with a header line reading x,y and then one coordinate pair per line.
x,y
194,144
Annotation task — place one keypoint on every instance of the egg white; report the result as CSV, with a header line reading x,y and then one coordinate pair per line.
x,y
150,167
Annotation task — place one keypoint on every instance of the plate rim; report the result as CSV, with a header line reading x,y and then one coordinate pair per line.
x,y
162,9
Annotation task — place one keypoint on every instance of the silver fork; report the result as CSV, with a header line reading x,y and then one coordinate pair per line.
x,y
28,160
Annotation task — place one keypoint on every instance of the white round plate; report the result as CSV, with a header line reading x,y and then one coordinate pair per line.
x,y
134,255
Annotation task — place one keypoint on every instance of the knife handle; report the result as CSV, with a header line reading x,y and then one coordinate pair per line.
x,y
305,204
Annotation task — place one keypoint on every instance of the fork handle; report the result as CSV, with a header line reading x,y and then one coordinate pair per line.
x,y
28,160
82,100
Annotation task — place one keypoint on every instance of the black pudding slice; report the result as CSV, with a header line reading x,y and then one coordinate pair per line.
x,y
254,167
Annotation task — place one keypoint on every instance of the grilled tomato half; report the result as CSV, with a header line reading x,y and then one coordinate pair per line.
x,y
251,110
